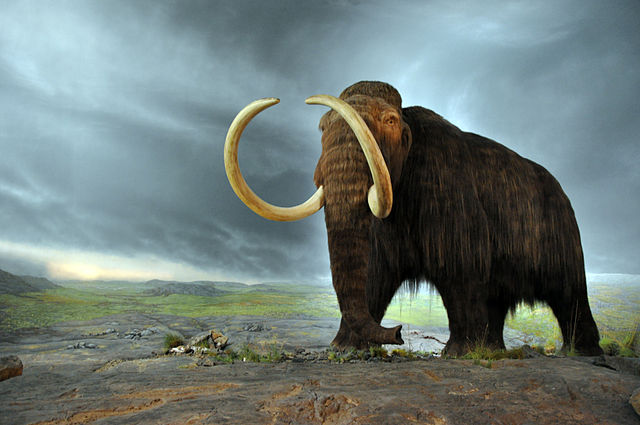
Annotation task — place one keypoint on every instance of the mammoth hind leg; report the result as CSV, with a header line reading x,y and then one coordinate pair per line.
x,y
579,330
497,312
470,323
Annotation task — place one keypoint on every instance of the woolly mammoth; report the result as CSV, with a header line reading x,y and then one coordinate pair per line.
x,y
410,198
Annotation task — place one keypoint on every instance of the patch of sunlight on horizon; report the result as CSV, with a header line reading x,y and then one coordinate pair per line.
x,y
73,264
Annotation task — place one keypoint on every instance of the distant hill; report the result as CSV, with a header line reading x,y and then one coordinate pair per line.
x,y
212,289
12,284
613,278
226,286
202,288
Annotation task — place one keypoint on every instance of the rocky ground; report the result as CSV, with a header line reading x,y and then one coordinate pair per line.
x,y
114,371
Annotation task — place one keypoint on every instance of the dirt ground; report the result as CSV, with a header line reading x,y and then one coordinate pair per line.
x,y
124,378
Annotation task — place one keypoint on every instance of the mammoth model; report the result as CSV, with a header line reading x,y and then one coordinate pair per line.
x,y
409,197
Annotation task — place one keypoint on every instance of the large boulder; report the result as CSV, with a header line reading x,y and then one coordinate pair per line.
x,y
10,366
635,401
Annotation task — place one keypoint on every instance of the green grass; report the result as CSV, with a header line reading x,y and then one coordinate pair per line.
x,y
422,309
616,308
172,341
253,304
248,353
41,309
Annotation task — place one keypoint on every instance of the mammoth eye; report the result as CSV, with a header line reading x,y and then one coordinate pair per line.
x,y
390,120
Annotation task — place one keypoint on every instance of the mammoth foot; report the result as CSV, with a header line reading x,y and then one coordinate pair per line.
x,y
460,347
346,338
588,351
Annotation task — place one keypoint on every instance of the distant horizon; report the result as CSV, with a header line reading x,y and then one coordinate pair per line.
x,y
591,277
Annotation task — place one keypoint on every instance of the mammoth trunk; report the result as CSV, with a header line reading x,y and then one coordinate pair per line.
x,y
348,221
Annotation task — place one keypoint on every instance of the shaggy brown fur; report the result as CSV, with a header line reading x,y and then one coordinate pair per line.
x,y
486,227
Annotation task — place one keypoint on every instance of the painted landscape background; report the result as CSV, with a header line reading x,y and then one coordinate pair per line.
x,y
31,302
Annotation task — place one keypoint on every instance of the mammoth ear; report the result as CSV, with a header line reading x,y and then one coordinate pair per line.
x,y
406,138
395,154
402,150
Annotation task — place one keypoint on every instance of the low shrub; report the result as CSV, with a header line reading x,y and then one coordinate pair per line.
x,y
172,341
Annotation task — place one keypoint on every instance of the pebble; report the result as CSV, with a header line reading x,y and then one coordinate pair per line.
x,y
253,327
81,344
136,334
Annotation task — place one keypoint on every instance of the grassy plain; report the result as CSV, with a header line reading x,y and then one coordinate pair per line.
x,y
616,307
99,299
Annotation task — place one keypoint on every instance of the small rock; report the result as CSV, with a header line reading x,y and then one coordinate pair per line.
x,y
178,350
10,366
133,334
635,401
206,362
530,353
200,338
201,350
253,327
221,342
81,344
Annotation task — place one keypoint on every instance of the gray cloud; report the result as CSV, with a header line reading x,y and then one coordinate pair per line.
x,y
113,116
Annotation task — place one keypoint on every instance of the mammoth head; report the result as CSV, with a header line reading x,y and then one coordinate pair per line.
x,y
382,117
369,111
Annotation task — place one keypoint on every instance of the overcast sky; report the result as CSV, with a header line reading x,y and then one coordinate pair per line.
x,y
113,116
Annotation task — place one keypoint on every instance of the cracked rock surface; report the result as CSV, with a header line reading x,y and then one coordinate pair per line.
x,y
129,380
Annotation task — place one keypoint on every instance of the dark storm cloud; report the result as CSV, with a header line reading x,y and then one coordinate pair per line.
x,y
113,116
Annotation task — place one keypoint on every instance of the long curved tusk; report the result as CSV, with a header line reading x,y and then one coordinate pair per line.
x,y
239,185
380,195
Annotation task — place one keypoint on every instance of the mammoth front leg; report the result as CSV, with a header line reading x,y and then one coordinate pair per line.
x,y
381,288
349,254
346,338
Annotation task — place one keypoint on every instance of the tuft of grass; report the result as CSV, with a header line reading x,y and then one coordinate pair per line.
x,y
624,345
487,363
631,342
378,351
274,355
332,356
172,340
228,356
403,353
609,346
345,356
247,354
481,352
